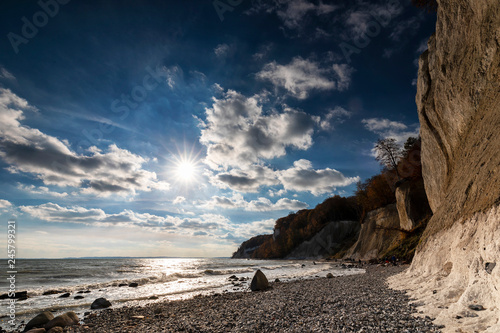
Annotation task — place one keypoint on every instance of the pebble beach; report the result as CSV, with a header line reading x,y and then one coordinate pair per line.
x,y
356,303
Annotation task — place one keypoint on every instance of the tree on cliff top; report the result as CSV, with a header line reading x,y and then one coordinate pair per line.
x,y
388,152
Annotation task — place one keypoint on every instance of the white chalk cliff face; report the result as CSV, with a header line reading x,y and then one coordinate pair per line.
x,y
457,264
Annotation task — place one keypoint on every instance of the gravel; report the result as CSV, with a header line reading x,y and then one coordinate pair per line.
x,y
356,303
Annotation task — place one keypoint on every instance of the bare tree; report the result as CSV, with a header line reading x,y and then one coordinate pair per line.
x,y
388,152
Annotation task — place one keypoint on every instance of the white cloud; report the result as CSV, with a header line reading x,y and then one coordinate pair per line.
x,y
4,204
29,150
179,200
237,132
301,76
302,177
391,129
337,114
249,180
292,12
222,50
261,204
368,16
41,190
5,74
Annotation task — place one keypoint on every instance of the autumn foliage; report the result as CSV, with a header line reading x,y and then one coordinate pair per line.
x,y
376,192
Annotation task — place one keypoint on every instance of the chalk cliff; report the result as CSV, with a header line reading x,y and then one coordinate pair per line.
x,y
458,99
331,239
379,232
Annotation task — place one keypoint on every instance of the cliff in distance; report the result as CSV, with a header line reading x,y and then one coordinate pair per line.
x,y
457,265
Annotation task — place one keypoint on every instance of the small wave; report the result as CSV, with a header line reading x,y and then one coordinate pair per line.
x,y
227,271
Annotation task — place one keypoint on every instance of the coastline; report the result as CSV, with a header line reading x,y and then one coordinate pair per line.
x,y
346,303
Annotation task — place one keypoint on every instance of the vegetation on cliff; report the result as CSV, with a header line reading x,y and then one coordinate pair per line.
x,y
376,192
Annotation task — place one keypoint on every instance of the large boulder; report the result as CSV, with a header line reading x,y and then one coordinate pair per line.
x,y
259,282
100,303
412,203
68,319
39,321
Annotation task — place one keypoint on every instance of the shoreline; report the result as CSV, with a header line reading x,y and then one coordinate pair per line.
x,y
345,304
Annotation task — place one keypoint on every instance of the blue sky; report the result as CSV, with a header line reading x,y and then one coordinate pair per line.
x,y
176,128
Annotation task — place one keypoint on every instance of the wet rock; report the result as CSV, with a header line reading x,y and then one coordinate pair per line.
x,y
67,319
19,294
133,285
122,285
52,292
79,297
259,282
153,297
39,321
329,275
65,295
277,280
100,303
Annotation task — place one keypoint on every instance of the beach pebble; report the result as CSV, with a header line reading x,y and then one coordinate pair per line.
x,y
133,285
476,307
329,275
65,295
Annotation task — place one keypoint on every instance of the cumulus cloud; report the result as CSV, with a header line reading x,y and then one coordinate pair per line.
x,y
391,129
249,180
41,190
4,204
261,204
28,150
302,177
237,133
301,76
52,212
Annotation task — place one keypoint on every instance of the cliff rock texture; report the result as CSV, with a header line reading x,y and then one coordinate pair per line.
x,y
458,99
379,232
328,241
412,203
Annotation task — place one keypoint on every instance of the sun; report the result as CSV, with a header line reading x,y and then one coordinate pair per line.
x,y
186,170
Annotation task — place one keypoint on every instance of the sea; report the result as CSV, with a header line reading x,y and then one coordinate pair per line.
x,y
164,278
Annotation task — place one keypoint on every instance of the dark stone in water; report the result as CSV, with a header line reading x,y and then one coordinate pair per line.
x,y
79,297
153,297
329,275
122,285
19,294
100,303
52,292
65,295
133,285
